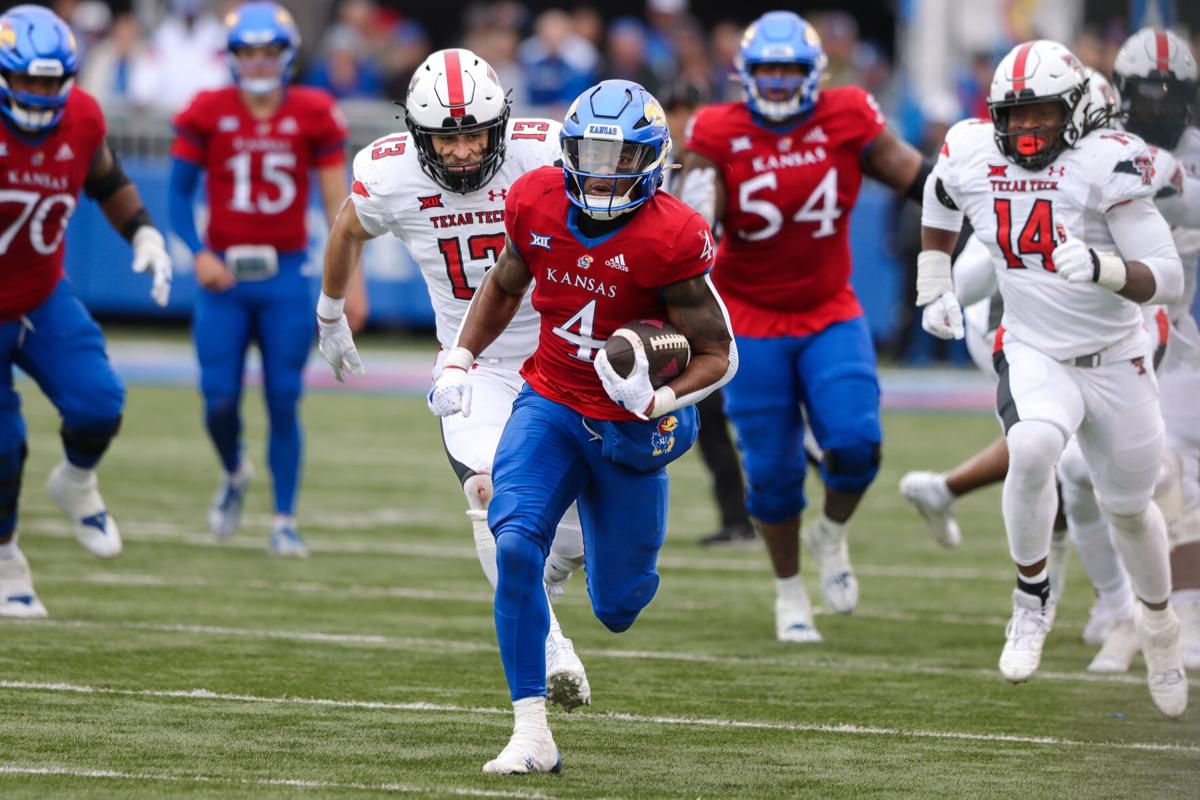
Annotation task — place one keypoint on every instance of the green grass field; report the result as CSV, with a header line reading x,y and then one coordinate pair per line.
x,y
190,669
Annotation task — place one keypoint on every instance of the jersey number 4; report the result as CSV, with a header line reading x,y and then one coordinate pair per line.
x,y
1037,237
820,207
584,321
483,246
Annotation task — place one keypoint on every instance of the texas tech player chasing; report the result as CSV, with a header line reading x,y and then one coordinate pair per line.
x,y
781,172
52,143
1071,354
1156,75
441,188
257,142
608,250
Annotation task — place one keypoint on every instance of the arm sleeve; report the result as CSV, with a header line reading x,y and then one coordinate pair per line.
x,y
1141,234
329,137
191,134
973,273
185,176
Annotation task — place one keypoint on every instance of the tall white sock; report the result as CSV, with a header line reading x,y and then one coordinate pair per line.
x,y
1141,539
485,544
529,715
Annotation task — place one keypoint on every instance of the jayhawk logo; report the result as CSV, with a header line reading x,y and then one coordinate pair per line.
x,y
584,262
663,438
8,36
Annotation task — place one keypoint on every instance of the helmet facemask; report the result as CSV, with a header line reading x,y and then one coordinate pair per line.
x,y
781,90
261,69
37,102
607,178
461,178
1157,108
1036,148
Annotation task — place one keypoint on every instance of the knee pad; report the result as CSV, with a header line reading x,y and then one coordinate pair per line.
x,y
1034,447
85,445
1126,524
478,488
619,614
778,497
850,468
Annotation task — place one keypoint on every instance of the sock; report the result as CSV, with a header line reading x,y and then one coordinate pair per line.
x,y
1036,585
791,590
944,496
1157,620
555,628
285,448
529,715
8,550
77,474
1186,598
485,543
285,520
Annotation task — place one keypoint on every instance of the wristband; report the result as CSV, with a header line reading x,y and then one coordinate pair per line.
x,y
459,358
330,308
933,276
1109,271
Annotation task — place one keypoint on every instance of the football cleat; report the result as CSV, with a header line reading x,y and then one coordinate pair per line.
x,y
1164,662
1026,634
286,542
1120,646
566,682
738,535
794,621
225,511
1107,610
526,753
927,491
81,502
1189,635
827,544
17,598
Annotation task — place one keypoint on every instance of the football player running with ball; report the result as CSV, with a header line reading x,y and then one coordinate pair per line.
x,y
781,172
608,250
256,142
1072,355
52,142
441,188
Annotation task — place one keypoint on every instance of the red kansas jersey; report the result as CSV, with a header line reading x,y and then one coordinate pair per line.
x,y
39,188
587,288
257,171
783,265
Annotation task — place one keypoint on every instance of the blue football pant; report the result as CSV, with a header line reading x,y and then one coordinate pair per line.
x,y
60,346
830,379
547,459
277,314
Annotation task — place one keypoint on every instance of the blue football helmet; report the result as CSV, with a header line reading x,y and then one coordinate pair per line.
x,y
781,37
34,42
615,143
254,25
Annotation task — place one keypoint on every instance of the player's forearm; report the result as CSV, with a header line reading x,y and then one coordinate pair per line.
x,y
695,308
1154,273
332,181
342,254
125,212
181,188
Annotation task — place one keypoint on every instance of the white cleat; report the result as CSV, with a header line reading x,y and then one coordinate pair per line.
x,y
225,510
1120,646
285,541
828,547
81,502
794,621
927,491
526,753
1026,634
1164,663
566,682
17,598
1189,635
1107,610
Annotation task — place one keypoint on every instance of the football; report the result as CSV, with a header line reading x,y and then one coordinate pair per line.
x,y
667,350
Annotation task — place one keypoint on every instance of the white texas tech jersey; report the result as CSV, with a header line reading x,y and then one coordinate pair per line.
x,y
455,238
1016,213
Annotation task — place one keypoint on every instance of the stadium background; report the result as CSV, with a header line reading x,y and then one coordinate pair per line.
x,y
928,62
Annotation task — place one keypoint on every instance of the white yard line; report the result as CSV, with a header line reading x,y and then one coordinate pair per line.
x,y
585,718
392,788
805,659
134,530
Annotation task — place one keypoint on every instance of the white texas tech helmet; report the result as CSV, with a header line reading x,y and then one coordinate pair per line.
x,y
453,92
1037,72
1103,102
1155,73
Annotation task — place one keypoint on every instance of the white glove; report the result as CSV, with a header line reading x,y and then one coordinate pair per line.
x,y
337,345
451,392
634,394
943,317
150,252
1079,263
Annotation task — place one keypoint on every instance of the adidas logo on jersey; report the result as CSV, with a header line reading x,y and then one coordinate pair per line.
x,y
815,135
739,144
227,124
617,262
288,125
65,153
